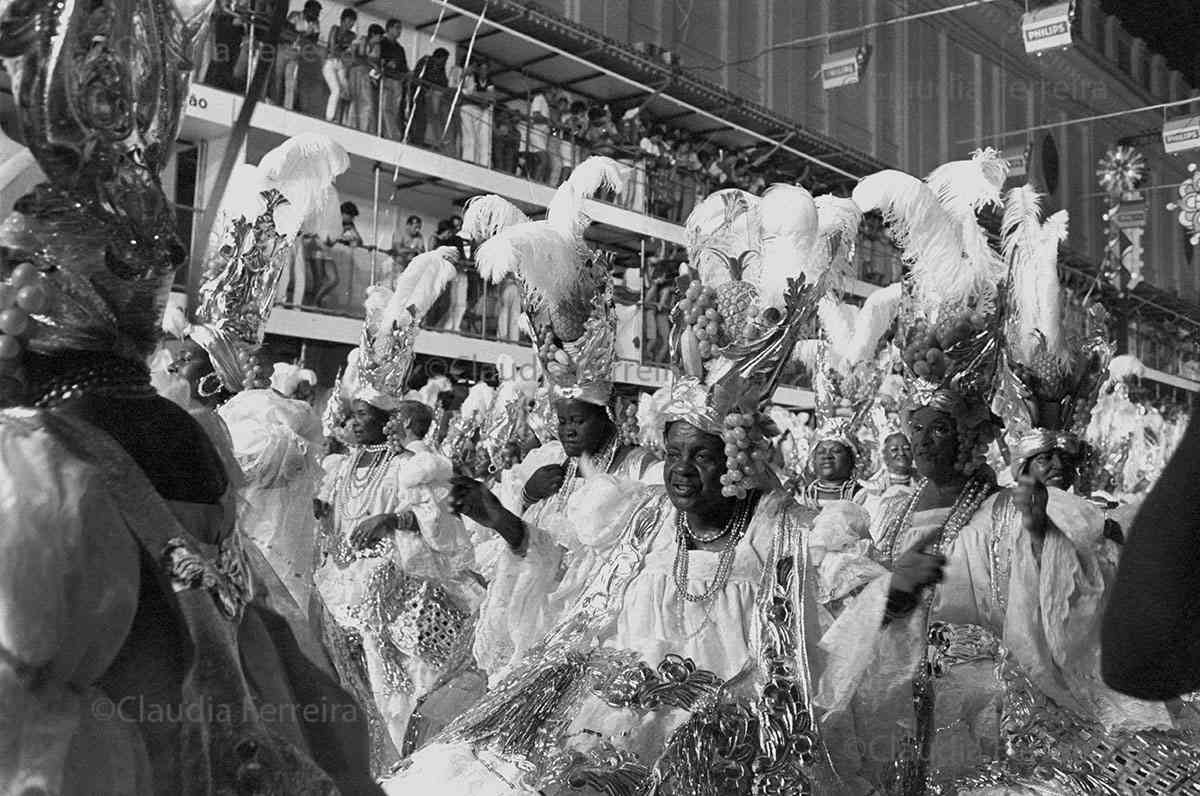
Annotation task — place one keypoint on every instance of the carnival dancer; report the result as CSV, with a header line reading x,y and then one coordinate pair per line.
x,y
973,665
139,657
567,296
895,475
396,573
274,439
687,661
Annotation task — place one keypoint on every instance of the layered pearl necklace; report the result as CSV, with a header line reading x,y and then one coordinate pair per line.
x,y
361,482
603,462
821,490
734,530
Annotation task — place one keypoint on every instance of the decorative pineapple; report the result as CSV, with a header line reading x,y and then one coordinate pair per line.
x,y
735,298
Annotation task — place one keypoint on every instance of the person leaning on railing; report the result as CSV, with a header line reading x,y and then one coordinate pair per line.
x,y
394,73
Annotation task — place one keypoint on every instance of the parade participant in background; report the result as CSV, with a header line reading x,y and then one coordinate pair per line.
x,y
141,652
913,660
395,576
1050,380
895,476
274,440
568,304
707,601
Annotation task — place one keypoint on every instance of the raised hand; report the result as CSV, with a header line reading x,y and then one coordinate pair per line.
x,y
544,482
473,500
1030,497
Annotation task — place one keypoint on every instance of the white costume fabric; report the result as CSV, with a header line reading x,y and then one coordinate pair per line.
x,y
369,591
276,441
996,596
525,599
647,621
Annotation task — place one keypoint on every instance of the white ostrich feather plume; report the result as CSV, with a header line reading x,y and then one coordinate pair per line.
x,y
853,333
1031,249
417,288
546,255
789,228
486,216
566,211
947,271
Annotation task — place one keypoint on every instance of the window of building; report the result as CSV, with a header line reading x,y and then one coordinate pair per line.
x,y
1125,54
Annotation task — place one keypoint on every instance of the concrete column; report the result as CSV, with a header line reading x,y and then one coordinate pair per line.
x,y
943,116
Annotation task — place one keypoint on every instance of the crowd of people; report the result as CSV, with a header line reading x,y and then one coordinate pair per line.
x,y
367,80
531,584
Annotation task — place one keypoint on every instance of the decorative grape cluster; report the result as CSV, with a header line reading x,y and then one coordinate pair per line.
x,y
256,374
926,353
21,295
699,307
746,452
558,362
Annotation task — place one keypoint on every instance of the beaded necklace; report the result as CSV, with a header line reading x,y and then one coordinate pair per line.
x,y
841,491
913,769
603,464
735,529
360,483
111,378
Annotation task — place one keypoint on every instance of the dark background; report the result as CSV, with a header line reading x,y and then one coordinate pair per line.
x,y
1171,27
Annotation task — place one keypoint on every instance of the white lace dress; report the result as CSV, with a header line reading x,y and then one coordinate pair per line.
x,y
523,602
996,603
367,591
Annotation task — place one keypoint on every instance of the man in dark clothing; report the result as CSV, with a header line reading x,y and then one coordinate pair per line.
x,y
395,71
1151,632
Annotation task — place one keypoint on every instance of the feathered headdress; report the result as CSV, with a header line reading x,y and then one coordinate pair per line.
x,y
933,221
949,307
88,255
743,310
264,208
1049,382
848,370
286,378
566,289
377,371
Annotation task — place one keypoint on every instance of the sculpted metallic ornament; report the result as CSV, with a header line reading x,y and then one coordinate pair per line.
x,y
225,578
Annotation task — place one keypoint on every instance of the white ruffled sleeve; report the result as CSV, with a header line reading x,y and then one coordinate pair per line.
x,y
442,546
528,593
68,592
512,483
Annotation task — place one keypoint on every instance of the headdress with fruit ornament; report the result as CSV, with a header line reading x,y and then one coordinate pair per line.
x,y
88,255
264,209
758,266
507,420
947,317
377,370
849,367
1049,380
461,445
1125,432
566,289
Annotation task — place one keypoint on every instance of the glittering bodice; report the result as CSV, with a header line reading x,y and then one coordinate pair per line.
x,y
101,90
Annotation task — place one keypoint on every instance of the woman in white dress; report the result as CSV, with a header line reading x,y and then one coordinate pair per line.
x,y
688,660
395,578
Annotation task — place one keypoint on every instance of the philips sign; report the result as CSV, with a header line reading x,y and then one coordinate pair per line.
x,y
842,68
1047,28
1180,135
